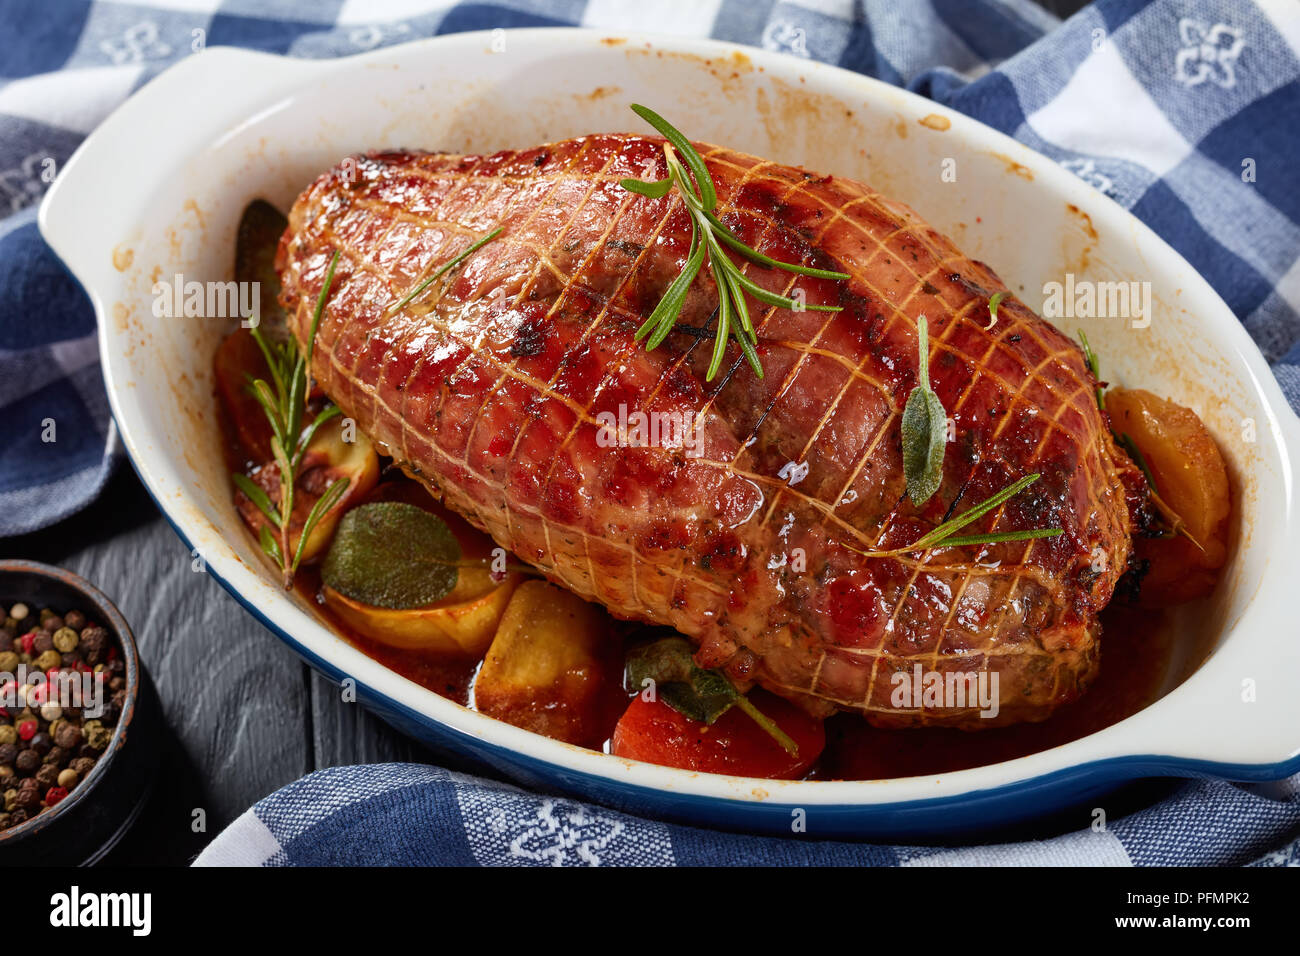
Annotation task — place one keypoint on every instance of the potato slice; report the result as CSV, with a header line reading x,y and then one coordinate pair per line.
x,y
461,624
450,628
553,667
1191,479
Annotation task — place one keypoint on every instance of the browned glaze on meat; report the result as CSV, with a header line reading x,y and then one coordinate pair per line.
x,y
490,388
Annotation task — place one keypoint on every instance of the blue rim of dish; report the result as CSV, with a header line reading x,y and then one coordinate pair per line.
x,y
1114,770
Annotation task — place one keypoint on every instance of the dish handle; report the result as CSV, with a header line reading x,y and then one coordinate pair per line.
x,y
120,165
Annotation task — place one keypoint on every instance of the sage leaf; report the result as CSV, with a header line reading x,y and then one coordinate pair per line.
x,y
925,429
392,554
694,692
256,241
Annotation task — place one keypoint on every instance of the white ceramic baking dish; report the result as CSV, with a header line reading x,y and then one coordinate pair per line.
x,y
158,189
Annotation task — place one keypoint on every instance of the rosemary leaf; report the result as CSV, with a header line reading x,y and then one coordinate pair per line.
x,y
730,238
1094,367
941,532
257,496
328,412
651,190
269,544
924,428
771,298
1002,536
446,267
322,506
707,195
320,307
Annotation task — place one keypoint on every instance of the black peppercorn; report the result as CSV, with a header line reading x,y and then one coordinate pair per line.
x,y
47,776
75,620
6,641
27,761
42,743
52,623
82,765
28,797
94,643
68,736
7,754
44,642
17,817
57,756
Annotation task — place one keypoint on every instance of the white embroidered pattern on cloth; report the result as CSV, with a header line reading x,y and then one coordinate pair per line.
x,y
1208,53
506,827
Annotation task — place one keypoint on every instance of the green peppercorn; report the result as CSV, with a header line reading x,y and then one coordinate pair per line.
x,y
8,662
49,660
8,734
68,778
11,799
99,737
65,640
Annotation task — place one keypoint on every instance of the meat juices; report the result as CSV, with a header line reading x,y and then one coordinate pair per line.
x,y
491,387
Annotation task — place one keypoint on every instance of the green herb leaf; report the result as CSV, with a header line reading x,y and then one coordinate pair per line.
x,y
707,195
269,544
996,298
392,554
924,429
1094,367
322,506
257,496
446,267
651,190
700,197
698,694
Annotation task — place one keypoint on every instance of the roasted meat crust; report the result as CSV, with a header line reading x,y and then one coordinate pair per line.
x,y
497,385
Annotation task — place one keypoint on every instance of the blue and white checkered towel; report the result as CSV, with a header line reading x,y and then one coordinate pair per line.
x,y
1187,112
403,814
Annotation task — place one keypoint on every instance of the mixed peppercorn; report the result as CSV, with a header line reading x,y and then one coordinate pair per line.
x,y
62,689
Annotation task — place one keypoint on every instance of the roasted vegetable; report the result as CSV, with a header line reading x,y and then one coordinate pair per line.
x,y
461,622
553,667
1191,481
652,731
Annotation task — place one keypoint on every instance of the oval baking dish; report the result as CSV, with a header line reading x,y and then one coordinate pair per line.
x,y
158,189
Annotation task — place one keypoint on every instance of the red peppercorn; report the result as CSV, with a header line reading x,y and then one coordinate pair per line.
x,y
27,729
54,795
28,641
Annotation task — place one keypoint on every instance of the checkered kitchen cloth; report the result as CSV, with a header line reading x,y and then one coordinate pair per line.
x,y
410,815
1158,104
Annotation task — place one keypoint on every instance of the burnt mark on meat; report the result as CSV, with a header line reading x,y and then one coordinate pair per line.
x,y
530,337
630,249
542,158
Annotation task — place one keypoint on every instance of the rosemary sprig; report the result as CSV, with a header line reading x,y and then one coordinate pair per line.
x,y
446,267
943,536
708,235
284,402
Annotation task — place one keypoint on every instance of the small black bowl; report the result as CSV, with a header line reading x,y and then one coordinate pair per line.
x,y
87,823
